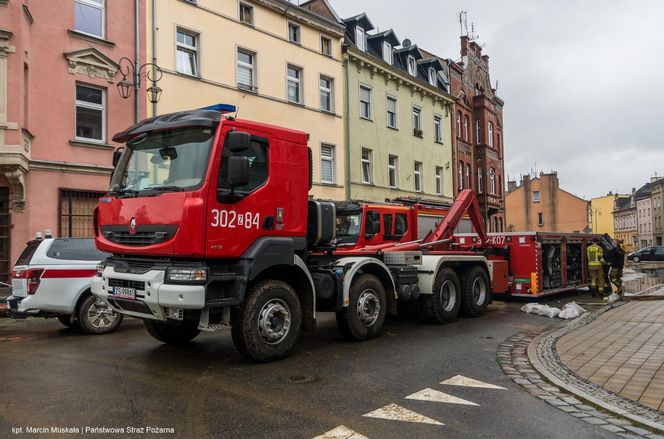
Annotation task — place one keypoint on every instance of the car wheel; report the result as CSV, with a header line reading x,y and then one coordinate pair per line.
x,y
267,325
364,317
636,259
68,321
96,317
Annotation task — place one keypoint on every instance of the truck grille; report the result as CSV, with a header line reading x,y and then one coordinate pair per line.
x,y
124,283
143,236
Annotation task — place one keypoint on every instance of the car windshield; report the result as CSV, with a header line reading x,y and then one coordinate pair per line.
x,y
348,228
167,161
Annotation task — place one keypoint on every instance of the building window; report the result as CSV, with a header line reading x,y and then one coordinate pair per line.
x,y
187,53
498,141
90,114
387,52
418,176
294,80
246,14
432,76
325,46
411,65
90,17
540,219
439,180
479,181
437,129
478,132
76,213
491,134
367,177
246,72
393,171
492,181
460,176
365,102
392,112
458,124
327,94
360,38
417,121
468,173
536,197
327,167
466,122
294,33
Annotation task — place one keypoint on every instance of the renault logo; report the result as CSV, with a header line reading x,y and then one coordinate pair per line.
x,y
132,226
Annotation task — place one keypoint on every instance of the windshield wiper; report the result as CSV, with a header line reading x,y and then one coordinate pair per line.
x,y
124,192
165,188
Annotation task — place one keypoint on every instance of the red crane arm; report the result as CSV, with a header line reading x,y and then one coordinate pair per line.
x,y
465,202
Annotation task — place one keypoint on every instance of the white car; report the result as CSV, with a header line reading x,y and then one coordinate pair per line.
x,y
51,278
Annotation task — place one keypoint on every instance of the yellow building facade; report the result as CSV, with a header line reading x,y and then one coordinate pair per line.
x,y
277,62
600,215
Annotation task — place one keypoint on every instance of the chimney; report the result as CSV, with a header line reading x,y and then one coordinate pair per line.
x,y
511,186
485,59
464,45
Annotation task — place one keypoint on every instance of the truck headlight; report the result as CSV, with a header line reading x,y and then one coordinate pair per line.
x,y
100,267
187,275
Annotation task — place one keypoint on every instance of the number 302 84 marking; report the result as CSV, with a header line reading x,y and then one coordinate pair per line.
x,y
229,219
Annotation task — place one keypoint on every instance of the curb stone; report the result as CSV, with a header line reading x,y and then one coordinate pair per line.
x,y
520,358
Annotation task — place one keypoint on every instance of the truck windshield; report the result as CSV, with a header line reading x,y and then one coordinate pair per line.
x,y
348,228
167,161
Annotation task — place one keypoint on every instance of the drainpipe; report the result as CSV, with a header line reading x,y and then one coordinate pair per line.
x,y
154,48
137,64
347,127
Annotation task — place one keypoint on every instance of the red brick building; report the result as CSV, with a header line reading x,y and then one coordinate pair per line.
x,y
478,128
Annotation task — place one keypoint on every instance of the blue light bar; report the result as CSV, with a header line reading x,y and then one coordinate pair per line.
x,y
222,108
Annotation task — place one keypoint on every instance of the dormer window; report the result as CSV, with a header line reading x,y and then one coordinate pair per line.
x,y
411,65
387,52
360,38
432,76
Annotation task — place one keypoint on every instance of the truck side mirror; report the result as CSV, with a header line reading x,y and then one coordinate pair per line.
x,y
238,171
116,156
238,141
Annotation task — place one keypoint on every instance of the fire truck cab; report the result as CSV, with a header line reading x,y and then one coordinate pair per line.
x,y
210,225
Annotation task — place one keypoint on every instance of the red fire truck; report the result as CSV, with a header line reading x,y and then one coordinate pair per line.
x,y
210,225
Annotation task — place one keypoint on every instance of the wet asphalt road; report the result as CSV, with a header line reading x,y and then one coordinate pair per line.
x,y
59,377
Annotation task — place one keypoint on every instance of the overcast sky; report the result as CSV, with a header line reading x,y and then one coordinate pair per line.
x,y
583,82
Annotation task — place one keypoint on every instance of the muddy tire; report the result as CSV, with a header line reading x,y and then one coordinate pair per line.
x,y
174,334
364,317
68,321
443,305
96,317
476,292
267,325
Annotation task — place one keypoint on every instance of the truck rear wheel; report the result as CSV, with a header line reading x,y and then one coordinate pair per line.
x,y
364,317
443,305
268,323
175,334
476,292
96,317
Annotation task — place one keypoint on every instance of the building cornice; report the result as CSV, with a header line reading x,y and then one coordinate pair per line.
x,y
72,168
390,73
289,9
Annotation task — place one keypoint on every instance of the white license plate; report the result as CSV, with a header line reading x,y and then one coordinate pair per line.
x,y
124,293
19,287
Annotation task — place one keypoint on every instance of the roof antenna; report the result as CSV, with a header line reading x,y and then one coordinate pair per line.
x,y
463,22
237,111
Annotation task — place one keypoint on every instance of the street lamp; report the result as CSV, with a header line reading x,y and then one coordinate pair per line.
x,y
151,72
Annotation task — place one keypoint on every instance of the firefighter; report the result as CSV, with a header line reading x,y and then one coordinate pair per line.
x,y
617,264
596,267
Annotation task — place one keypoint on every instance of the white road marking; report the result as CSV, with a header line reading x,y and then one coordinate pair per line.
x,y
341,432
461,380
436,396
395,412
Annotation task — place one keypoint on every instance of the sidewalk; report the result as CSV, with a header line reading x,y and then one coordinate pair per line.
x,y
622,351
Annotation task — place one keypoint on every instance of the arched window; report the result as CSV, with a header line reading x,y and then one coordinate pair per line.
x,y
460,180
492,181
479,181
491,134
458,124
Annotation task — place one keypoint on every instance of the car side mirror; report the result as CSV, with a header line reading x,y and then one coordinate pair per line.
x,y
238,171
238,141
116,156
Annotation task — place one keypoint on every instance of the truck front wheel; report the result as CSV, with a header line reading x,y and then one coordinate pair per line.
x,y
443,305
364,317
175,334
268,323
476,292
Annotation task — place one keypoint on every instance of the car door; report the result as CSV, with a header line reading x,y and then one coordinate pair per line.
x,y
659,254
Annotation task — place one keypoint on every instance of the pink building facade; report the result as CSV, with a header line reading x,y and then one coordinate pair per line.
x,y
59,108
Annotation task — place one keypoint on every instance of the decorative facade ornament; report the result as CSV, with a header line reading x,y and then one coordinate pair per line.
x,y
93,63
16,178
